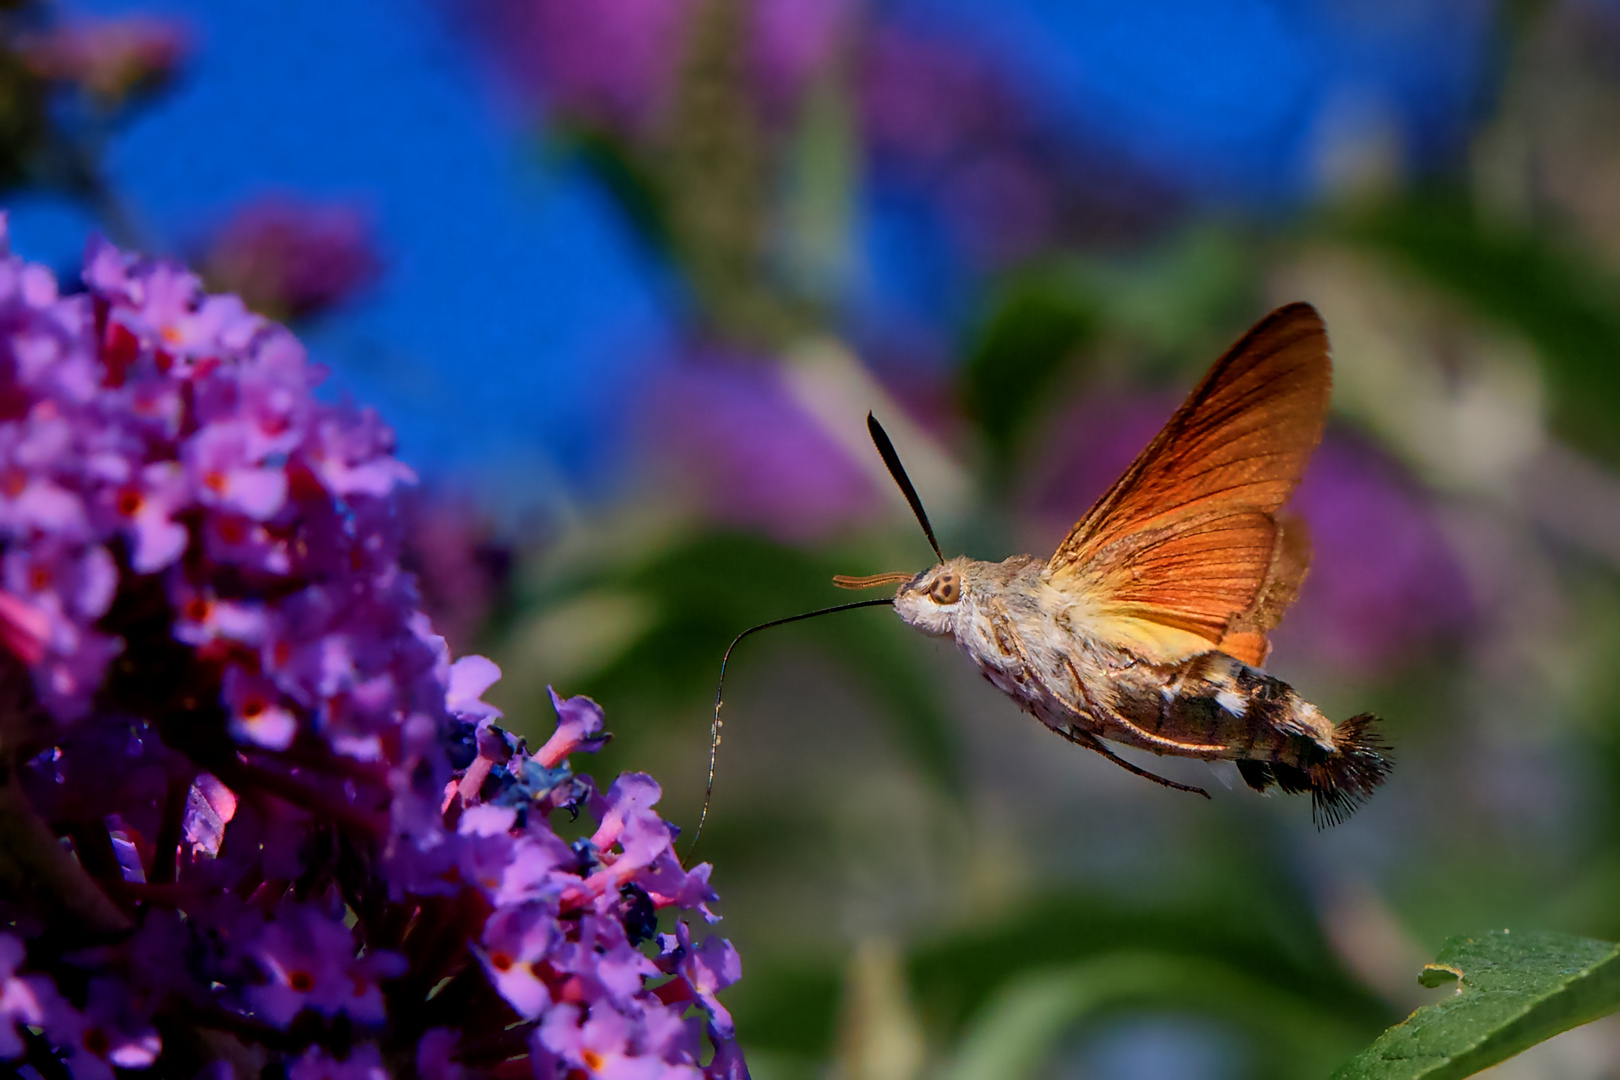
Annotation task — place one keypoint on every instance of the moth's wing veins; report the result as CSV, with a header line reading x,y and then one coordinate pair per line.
x,y
1188,536
1245,637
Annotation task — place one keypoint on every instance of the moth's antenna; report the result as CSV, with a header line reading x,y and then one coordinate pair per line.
x,y
714,727
885,448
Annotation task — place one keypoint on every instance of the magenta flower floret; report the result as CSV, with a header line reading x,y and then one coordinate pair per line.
x,y
297,830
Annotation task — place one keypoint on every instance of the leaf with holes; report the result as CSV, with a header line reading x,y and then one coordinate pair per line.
x,y
1512,991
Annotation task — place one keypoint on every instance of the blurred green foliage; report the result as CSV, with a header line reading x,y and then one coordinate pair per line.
x,y
1526,281
707,588
1034,330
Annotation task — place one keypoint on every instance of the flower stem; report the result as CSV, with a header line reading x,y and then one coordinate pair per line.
x,y
34,863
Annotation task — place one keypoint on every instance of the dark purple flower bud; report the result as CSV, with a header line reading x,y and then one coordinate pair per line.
x,y
638,914
109,58
289,258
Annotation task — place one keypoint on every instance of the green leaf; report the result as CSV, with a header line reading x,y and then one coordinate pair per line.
x,y
1038,324
1513,991
1517,277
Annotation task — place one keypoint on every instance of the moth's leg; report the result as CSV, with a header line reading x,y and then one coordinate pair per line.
x,y
1091,742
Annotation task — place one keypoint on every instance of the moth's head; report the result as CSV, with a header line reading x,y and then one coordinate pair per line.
x,y
933,599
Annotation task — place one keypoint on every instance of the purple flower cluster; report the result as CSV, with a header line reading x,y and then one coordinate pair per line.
x,y
255,816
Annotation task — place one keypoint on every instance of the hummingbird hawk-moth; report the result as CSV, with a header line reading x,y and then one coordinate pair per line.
x,y
1148,626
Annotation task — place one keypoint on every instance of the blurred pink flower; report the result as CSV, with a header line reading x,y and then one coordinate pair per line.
x,y
730,433
927,101
109,58
940,116
613,63
287,258
1384,586
461,568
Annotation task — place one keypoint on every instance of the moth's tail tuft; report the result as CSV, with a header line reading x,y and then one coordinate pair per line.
x,y
1344,777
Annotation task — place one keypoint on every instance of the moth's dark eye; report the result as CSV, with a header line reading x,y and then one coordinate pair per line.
x,y
947,588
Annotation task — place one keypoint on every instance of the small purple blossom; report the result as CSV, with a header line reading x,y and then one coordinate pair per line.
x,y
290,809
708,969
579,727
19,1004
309,959
107,1033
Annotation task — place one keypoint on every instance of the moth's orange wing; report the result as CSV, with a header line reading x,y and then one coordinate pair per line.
x,y
1187,541
1245,637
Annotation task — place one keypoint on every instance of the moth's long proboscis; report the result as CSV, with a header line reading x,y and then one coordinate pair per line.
x,y
719,695
885,449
